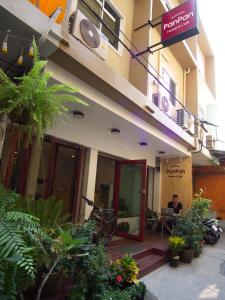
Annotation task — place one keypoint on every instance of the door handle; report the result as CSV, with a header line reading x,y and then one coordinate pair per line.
x,y
142,191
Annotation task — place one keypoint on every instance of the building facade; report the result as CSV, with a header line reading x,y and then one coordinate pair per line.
x,y
128,149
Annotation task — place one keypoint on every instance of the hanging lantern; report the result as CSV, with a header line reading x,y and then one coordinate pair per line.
x,y
4,48
20,58
31,51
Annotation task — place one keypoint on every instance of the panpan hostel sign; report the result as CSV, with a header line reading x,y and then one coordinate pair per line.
x,y
179,23
175,171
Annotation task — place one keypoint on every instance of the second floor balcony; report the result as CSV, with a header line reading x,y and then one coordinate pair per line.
x,y
68,52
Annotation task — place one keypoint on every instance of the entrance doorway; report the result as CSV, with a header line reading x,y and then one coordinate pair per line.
x,y
123,186
130,198
60,173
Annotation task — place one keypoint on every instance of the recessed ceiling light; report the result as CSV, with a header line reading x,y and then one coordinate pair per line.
x,y
161,152
115,131
73,156
78,114
143,144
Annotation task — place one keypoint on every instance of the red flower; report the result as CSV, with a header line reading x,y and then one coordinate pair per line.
x,y
119,278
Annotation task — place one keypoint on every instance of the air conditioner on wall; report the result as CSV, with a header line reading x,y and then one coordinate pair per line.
x,y
186,121
163,103
210,142
89,35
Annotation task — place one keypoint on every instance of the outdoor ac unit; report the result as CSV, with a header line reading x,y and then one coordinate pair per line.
x,y
210,142
163,102
186,121
89,35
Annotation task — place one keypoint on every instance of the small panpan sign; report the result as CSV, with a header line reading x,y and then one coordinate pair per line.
x,y
179,23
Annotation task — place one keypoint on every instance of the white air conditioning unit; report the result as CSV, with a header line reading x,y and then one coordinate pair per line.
x,y
210,142
163,103
89,35
186,121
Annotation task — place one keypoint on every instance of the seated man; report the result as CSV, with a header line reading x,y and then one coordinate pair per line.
x,y
175,204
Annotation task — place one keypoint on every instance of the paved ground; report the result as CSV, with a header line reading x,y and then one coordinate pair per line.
x,y
203,279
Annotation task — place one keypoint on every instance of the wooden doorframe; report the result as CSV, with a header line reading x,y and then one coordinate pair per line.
x,y
55,143
143,196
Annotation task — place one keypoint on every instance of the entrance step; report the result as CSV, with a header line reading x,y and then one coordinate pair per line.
x,y
150,263
150,254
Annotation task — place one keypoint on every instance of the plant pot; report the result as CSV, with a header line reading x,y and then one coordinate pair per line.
x,y
174,261
21,118
187,255
57,286
123,227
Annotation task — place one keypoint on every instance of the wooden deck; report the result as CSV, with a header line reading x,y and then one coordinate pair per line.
x,y
150,254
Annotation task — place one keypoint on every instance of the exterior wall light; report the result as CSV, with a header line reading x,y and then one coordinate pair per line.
x,y
161,152
143,144
78,114
115,131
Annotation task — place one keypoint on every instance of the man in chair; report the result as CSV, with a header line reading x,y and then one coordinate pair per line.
x,y
175,204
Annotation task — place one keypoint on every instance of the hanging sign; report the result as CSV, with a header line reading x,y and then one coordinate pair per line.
x,y
179,23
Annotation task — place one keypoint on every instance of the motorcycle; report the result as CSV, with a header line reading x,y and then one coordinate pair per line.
x,y
213,231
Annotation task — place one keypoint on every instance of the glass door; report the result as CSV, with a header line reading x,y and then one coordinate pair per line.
x,y
130,198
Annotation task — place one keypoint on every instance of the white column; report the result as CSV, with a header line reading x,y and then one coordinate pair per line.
x,y
90,171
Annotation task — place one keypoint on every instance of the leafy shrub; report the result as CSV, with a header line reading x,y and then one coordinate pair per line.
x,y
20,235
90,275
134,292
176,244
201,204
124,271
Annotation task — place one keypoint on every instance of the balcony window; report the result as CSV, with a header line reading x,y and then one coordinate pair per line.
x,y
107,14
171,85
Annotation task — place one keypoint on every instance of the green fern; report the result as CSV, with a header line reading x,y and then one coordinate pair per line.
x,y
20,233
34,96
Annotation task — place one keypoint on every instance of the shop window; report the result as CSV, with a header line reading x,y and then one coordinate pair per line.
x,y
104,182
107,14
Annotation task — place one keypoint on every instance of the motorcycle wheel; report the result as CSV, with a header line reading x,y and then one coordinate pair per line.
x,y
211,238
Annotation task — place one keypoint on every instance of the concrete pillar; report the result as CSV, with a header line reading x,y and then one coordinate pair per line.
x,y
32,174
90,171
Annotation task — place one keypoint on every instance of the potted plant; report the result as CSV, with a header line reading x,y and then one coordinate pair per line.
x,y
176,244
200,204
123,227
32,104
124,273
31,101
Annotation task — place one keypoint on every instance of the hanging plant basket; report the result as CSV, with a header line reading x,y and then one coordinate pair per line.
x,y
22,118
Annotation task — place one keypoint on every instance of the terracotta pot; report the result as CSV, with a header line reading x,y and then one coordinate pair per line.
x,y
174,261
187,256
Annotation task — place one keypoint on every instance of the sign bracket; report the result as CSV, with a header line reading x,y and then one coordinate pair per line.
x,y
151,23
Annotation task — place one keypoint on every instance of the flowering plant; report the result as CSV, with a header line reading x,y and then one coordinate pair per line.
x,y
125,271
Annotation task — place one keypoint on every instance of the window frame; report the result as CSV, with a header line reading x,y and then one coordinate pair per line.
x,y
103,11
171,79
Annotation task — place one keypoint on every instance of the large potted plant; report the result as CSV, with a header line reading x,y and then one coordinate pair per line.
x,y
124,273
31,101
176,244
32,104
